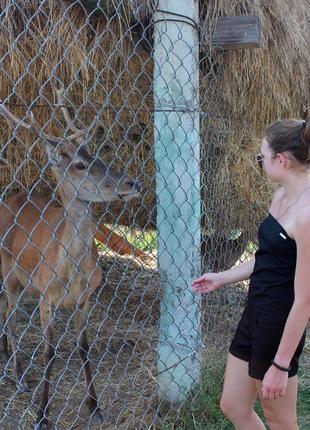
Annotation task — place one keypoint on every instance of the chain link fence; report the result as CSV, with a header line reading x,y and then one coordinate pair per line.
x,y
78,213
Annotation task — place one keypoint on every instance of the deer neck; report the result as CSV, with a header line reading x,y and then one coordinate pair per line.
x,y
79,225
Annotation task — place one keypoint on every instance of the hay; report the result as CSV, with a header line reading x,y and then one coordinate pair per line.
x,y
123,338
107,75
106,78
243,92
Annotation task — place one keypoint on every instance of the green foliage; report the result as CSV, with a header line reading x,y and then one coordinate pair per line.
x,y
145,241
303,403
202,410
101,246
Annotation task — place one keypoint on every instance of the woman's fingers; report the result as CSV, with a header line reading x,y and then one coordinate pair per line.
x,y
202,289
200,280
282,393
206,288
205,283
200,284
276,394
271,394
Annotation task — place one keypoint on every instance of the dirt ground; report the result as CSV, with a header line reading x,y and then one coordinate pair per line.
x,y
123,335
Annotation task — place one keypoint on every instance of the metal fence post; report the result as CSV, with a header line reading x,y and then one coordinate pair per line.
x,y
176,100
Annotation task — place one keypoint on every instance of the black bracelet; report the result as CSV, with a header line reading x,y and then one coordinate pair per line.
x,y
284,369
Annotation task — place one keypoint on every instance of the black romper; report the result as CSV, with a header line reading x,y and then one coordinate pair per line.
x,y
270,298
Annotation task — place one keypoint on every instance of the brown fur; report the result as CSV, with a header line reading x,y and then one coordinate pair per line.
x,y
35,255
41,251
50,251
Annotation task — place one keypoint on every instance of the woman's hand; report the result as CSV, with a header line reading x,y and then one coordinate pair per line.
x,y
274,383
208,282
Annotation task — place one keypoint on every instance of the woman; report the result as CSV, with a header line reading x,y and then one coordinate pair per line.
x,y
263,356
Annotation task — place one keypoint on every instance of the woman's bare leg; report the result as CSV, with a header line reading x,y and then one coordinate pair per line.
x,y
239,394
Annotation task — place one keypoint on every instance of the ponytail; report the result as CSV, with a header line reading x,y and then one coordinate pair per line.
x,y
290,135
305,132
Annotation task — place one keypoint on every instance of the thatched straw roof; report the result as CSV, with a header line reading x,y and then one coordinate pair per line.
x,y
109,76
105,74
126,8
242,92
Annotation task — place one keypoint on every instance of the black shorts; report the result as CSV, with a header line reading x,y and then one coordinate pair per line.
x,y
257,339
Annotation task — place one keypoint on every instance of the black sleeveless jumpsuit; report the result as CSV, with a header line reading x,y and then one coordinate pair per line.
x,y
270,298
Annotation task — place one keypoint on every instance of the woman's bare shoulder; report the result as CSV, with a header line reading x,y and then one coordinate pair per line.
x,y
303,218
301,227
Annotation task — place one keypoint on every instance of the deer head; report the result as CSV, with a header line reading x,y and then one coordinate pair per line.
x,y
87,177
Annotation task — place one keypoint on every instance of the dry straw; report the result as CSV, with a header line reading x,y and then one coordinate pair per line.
x,y
246,90
123,334
108,76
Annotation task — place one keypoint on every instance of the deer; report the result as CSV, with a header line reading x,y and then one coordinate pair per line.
x,y
49,250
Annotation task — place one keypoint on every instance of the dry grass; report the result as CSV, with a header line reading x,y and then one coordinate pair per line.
x,y
109,77
123,334
243,92
123,339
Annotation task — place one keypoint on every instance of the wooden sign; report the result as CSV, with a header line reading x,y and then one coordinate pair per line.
x,y
235,32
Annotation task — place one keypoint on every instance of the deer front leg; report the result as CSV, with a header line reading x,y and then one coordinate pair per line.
x,y
83,348
3,336
18,374
47,323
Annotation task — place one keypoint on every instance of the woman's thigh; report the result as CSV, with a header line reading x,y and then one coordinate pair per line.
x,y
281,413
239,391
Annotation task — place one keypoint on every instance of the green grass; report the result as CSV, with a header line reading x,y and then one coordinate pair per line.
x,y
303,403
202,412
145,241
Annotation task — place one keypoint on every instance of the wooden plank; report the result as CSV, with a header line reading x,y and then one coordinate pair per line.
x,y
235,32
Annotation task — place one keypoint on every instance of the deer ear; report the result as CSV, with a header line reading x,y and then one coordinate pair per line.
x,y
68,149
56,151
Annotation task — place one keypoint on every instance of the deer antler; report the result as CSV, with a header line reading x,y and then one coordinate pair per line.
x,y
78,133
60,100
32,126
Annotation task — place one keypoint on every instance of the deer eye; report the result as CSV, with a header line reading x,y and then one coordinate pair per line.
x,y
80,166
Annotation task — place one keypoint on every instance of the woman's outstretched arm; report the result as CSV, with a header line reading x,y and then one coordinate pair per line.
x,y
212,281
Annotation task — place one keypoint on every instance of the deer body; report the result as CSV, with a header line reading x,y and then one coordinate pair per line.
x,y
54,253
49,251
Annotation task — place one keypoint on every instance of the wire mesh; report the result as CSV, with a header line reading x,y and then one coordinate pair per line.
x,y
82,71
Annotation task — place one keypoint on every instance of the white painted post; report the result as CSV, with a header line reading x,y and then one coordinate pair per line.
x,y
176,100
